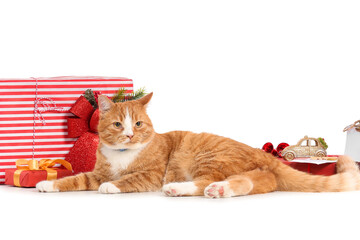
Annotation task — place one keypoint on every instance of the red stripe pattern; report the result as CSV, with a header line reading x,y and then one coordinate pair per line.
x,y
17,98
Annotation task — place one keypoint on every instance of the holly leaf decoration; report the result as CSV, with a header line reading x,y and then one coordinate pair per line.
x,y
323,143
121,95
138,94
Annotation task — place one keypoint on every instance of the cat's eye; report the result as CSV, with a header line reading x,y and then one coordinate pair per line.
x,y
117,124
138,124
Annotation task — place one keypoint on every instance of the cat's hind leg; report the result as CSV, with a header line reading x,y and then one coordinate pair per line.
x,y
252,182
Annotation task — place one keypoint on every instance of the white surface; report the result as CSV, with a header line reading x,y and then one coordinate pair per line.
x,y
92,215
255,71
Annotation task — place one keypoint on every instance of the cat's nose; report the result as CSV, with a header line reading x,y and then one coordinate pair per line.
x,y
130,136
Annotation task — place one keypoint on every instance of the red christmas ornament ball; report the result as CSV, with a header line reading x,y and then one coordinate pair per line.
x,y
281,147
268,147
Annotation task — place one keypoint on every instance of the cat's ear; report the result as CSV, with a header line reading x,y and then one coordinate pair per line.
x,y
146,99
104,103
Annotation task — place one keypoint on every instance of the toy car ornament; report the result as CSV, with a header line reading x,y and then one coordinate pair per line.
x,y
306,147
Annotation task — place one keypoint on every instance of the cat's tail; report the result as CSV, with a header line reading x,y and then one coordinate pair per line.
x,y
346,179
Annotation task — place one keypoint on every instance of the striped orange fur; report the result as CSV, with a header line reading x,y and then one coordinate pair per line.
x,y
132,157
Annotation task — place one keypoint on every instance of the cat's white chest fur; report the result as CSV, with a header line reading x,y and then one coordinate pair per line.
x,y
120,160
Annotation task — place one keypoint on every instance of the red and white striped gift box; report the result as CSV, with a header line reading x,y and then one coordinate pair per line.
x,y
17,97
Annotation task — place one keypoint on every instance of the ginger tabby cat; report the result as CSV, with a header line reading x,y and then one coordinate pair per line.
x,y
132,157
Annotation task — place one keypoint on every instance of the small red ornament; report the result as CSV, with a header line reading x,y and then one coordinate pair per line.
x,y
281,147
269,148
275,153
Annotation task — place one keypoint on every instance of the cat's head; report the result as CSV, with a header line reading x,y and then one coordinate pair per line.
x,y
124,125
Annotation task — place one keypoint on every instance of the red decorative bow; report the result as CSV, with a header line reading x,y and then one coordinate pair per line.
x,y
269,147
82,155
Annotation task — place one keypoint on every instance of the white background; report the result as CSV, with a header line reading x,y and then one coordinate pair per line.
x,y
255,71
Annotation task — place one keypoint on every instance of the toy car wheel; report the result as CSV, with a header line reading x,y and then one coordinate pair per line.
x,y
320,154
289,156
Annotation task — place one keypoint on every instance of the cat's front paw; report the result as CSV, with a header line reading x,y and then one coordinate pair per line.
x,y
46,186
108,187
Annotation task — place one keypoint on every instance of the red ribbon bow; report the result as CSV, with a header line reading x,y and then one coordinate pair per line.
x,y
269,148
82,155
